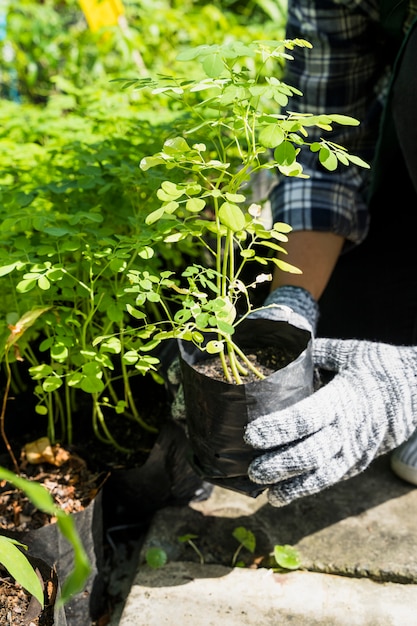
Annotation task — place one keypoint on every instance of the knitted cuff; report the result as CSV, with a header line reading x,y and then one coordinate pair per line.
x,y
299,300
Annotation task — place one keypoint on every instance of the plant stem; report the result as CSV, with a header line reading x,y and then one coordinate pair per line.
x,y
98,415
3,414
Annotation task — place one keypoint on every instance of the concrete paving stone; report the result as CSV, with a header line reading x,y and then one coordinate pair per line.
x,y
189,594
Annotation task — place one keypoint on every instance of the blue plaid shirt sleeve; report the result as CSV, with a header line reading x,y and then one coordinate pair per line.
x,y
345,72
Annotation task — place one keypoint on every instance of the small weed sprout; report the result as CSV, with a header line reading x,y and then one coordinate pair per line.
x,y
189,538
156,557
247,540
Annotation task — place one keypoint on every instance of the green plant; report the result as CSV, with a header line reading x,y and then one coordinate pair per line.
x,y
286,557
66,252
230,133
247,540
189,539
49,45
156,557
15,561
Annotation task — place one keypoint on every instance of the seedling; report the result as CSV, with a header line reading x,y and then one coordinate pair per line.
x,y
233,130
189,538
156,557
247,540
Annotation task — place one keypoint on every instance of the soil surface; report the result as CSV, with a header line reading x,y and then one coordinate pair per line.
x,y
14,605
19,608
71,484
266,362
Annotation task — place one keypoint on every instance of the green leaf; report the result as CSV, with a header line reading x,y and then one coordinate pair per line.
x,y
156,557
44,283
286,267
26,285
38,372
245,537
285,153
346,120
52,383
136,313
130,357
358,161
92,384
213,65
154,216
271,136
59,352
328,159
19,567
195,205
214,347
231,216
6,269
151,161
176,146
287,557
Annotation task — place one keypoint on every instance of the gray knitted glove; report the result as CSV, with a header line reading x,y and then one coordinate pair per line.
x,y
368,408
297,299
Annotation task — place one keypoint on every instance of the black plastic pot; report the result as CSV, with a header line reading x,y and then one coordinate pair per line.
x,y
47,543
217,411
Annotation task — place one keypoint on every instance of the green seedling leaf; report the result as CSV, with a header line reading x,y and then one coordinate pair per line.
x,y
52,383
231,216
176,146
245,537
156,557
271,136
6,269
213,65
195,205
214,347
151,161
19,567
346,120
285,154
287,557
357,161
286,267
328,159
189,538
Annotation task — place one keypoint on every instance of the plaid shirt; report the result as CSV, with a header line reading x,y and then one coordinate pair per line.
x,y
347,71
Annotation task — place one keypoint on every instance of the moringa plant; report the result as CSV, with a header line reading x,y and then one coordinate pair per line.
x,y
233,128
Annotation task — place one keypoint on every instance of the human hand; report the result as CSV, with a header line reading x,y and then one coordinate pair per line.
x,y
295,300
368,408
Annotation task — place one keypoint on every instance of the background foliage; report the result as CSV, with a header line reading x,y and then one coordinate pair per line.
x,y
73,199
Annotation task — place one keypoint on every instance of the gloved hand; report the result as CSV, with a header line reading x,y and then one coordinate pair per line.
x,y
293,298
368,408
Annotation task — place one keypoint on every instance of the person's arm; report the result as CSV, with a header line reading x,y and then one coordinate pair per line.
x,y
340,74
315,253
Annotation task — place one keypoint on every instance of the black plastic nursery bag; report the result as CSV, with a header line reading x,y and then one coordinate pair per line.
x,y
217,411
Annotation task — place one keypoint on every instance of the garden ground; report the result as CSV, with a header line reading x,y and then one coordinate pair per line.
x,y
356,541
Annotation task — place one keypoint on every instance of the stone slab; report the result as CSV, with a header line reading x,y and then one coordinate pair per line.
x,y
208,595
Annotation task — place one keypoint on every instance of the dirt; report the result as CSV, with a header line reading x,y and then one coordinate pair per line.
x,y
19,608
14,604
266,361
72,486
